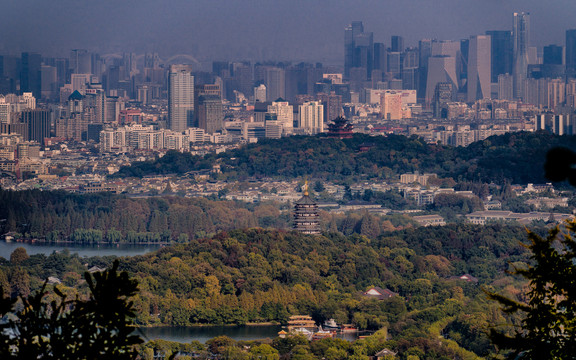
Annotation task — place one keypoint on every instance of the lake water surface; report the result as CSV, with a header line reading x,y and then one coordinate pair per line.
x,y
6,249
186,334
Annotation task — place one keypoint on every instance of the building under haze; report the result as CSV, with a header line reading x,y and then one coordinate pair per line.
x,y
521,42
441,69
180,98
311,115
479,72
210,113
31,74
501,53
571,53
38,123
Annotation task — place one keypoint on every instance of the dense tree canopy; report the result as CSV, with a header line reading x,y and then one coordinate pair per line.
x,y
257,275
516,157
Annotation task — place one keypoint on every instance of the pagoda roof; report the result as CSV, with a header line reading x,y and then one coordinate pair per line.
x,y
305,200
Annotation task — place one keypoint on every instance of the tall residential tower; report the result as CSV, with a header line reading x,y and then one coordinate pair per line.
x,y
180,98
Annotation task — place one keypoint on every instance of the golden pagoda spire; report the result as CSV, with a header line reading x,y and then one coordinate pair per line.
x,y
306,187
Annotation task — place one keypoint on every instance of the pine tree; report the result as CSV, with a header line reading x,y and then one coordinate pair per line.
x,y
548,330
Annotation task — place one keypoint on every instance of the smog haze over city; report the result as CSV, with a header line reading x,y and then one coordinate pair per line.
x,y
300,30
352,176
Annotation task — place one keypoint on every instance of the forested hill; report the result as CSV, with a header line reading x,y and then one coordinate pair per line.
x,y
256,275
516,157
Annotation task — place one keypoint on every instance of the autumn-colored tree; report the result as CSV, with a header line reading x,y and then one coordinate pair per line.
x,y
18,255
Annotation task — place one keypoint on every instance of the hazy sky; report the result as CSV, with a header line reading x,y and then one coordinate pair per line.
x,y
311,30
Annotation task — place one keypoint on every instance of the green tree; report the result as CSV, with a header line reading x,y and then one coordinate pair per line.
x,y
99,327
548,330
18,255
264,352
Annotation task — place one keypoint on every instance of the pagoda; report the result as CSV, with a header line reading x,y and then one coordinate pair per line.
x,y
306,214
340,128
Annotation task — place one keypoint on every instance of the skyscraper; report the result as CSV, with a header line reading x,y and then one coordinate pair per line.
x,y
311,117
358,49
38,124
180,98
479,78
210,113
397,43
424,53
275,81
31,74
80,61
571,53
380,57
552,55
332,105
521,38
441,69
501,53
350,33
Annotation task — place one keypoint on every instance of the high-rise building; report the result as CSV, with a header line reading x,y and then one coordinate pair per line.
x,y
424,53
501,53
571,93
311,115
394,64
556,93
380,57
31,74
180,98
358,49
505,87
204,90
364,52
49,81
391,105
443,94
260,93
275,81
284,112
210,113
479,78
441,69
397,43
4,111
80,61
571,53
272,126
521,38
332,105
38,123
350,33
552,55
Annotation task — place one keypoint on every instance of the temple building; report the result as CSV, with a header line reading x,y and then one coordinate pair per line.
x,y
340,128
306,214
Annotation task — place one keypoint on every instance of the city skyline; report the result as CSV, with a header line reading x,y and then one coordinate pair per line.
x,y
297,30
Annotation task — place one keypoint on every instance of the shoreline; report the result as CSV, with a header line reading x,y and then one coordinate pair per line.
x,y
43,242
251,324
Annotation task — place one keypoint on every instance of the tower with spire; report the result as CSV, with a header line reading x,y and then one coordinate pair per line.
x,y
306,218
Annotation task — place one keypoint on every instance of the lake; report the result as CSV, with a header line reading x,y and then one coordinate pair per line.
x,y
6,248
186,334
